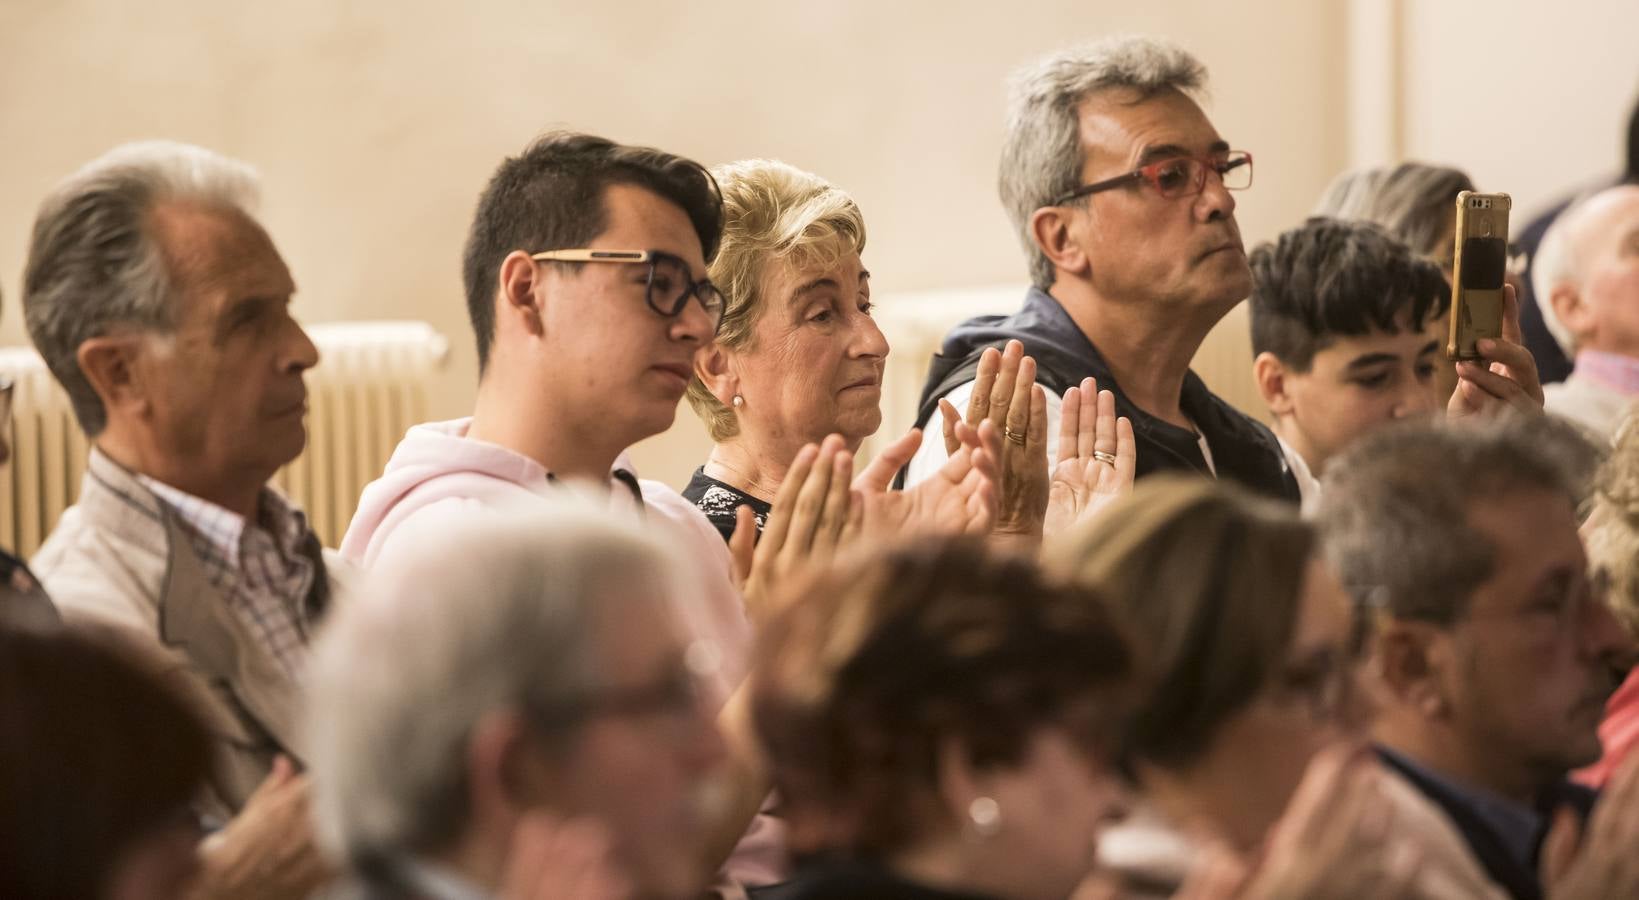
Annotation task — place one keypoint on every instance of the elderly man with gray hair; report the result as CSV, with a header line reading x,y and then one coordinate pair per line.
x,y
1586,280
1120,189
553,692
162,307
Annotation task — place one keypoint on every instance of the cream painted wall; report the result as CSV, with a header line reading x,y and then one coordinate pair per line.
x,y
1539,109
375,124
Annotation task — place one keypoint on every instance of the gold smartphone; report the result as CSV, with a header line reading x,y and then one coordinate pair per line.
x,y
1478,270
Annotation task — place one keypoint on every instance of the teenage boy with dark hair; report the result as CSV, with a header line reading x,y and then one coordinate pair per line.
x,y
1346,335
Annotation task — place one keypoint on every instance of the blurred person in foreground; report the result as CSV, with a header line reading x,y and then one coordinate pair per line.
x,y
100,761
1611,535
1587,282
1492,656
553,715
1251,645
941,722
162,307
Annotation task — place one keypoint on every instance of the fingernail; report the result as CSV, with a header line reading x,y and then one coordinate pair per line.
x,y
1485,345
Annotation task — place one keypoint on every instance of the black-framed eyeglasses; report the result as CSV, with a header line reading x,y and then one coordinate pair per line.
x,y
1180,176
669,285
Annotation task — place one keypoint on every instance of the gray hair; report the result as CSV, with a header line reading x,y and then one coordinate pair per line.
x,y
495,608
1413,201
1041,148
1395,506
1559,261
94,264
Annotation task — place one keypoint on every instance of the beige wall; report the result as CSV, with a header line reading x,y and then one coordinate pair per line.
x,y
375,124
1531,98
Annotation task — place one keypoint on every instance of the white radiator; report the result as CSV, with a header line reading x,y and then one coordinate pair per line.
x,y
370,385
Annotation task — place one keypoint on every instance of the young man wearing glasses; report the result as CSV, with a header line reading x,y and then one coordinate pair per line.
x,y
1120,188
585,272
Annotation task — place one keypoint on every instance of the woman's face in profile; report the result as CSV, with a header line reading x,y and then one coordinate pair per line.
x,y
1259,754
814,363
1052,807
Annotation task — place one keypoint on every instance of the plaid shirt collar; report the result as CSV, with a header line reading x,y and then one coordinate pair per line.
x,y
223,532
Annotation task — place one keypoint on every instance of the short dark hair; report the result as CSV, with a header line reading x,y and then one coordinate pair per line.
x,y
95,754
870,670
1394,509
551,197
1329,278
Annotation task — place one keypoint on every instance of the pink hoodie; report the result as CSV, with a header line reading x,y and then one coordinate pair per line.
x,y
437,467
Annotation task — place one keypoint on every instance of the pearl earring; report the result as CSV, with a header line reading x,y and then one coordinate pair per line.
x,y
739,401
985,814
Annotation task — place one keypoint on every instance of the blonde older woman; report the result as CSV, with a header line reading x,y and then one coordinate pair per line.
x,y
799,357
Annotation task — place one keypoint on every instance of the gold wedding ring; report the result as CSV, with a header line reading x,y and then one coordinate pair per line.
x,y
1016,437
1103,457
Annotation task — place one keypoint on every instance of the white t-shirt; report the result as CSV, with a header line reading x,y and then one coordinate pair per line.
x,y
931,455
1308,484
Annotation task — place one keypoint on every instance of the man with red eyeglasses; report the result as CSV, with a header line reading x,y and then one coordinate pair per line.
x,y
1120,189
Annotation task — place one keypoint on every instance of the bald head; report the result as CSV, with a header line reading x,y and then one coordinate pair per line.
x,y
1587,274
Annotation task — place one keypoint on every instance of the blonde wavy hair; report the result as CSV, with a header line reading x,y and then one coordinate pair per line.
x,y
773,213
1611,533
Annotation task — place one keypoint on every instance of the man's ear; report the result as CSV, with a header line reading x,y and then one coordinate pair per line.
x,y
1573,311
712,365
113,365
1411,659
515,300
502,778
1050,228
1271,375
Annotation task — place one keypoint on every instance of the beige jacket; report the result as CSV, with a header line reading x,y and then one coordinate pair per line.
x,y
119,558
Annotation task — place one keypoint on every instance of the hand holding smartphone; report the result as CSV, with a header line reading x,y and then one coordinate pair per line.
x,y
1478,270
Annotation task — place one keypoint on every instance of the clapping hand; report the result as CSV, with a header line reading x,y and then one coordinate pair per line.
x,y
1097,458
1005,394
811,512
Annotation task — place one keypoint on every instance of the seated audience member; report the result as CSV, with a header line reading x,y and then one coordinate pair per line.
x,y
1119,188
580,355
1347,334
163,308
1348,328
21,597
799,357
1492,656
1528,237
941,722
586,284
1250,642
1587,280
551,684
99,762
1416,203
1611,535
